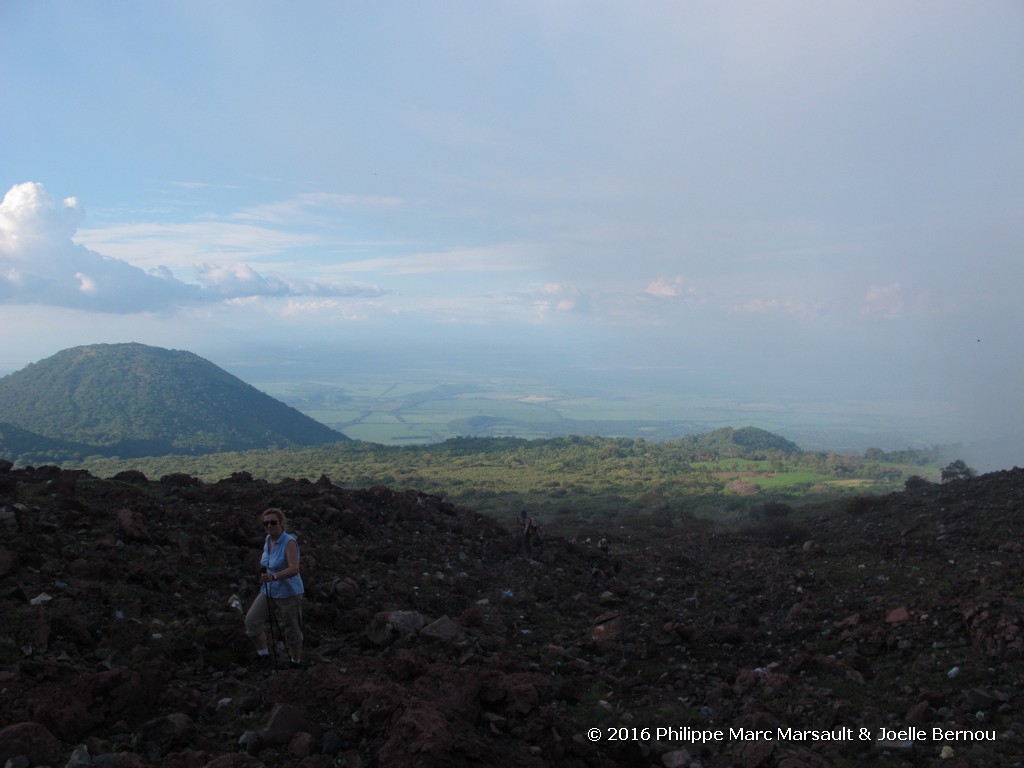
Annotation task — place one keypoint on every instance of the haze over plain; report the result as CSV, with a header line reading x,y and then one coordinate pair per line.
x,y
788,207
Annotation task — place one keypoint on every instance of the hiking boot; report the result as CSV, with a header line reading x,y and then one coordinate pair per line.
x,y
296,664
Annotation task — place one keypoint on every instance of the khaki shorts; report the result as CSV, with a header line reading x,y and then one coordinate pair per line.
x,y
287,613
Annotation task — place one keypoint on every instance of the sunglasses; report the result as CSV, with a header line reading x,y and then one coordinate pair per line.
x,y
269,523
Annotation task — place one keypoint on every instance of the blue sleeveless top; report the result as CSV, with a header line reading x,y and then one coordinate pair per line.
x,y
277,561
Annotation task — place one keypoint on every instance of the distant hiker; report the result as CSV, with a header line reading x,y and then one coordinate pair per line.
x,y
531,534
604,545
280,596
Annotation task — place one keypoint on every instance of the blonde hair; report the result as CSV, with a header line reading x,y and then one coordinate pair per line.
x,y
280,516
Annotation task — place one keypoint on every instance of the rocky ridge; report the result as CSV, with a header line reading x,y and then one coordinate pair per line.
x,y
433,640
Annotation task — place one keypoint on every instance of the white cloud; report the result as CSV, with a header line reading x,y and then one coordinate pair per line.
x,y
85,283
561,298
30,219
665,288
240,280
40,264
890,302
315,220
180,246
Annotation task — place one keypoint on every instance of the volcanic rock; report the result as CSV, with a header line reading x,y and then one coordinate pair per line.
x,y
431,639
30,740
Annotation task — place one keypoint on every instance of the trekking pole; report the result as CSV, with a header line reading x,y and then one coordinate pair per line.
x,y
270,614
274,623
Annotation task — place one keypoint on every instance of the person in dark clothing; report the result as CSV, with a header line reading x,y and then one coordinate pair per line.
x,y
531,534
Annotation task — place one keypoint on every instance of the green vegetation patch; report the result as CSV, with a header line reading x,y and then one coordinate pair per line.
x,y
562,478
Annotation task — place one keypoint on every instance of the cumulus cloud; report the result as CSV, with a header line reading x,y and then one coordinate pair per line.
x,y
40,264
665,288
560,297
241,280
31,219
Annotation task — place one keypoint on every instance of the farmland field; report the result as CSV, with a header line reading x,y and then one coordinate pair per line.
x,y
387,410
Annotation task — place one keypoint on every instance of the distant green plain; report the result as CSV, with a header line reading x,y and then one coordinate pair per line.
x,y
388,411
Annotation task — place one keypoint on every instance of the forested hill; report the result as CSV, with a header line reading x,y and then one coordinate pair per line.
x,y
724,443
137,400
729,442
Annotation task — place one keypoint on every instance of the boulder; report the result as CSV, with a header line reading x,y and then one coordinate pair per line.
x,y
165,734
444,629
31,740
8,563
386,626
284,722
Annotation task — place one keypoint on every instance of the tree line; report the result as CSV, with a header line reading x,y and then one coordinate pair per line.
x,y
562,475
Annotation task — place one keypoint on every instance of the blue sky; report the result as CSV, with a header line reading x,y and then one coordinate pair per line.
x,y
777,201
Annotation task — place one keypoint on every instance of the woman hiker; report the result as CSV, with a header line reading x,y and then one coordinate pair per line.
x,y
280,589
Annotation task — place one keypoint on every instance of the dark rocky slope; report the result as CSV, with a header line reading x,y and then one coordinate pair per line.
x,y
432,640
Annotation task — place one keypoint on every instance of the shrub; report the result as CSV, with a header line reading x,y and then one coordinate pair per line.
x,y
915,483
957,470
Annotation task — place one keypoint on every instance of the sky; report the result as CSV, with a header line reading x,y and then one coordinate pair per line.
x,y
785,201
